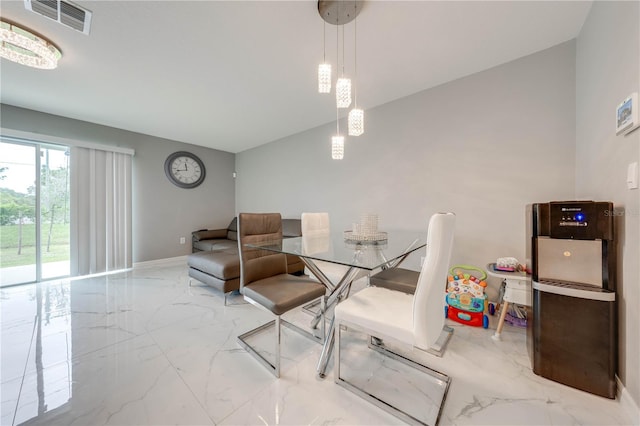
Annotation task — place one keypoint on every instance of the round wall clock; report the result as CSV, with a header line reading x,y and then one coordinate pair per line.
x,y
184,169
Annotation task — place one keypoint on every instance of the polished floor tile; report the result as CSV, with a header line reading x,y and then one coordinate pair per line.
x,y
144,347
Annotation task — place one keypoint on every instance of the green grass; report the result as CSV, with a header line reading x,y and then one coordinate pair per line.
x,y
58,250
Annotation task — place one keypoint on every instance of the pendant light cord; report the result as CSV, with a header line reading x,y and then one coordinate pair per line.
x,y
343,50
324,41
337,66
355,54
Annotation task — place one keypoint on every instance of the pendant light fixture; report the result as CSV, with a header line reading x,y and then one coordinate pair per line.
x,y
337,141
339,13
337,147
356,115
343,85
22,46
324,69
356,122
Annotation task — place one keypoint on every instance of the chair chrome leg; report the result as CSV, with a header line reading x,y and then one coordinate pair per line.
x,y
278,322
437,349
241,340
323,309
311,308
278,338
336,356
386,406
374,341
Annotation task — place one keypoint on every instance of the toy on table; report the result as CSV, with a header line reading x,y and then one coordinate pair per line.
x,y
508,264
466,301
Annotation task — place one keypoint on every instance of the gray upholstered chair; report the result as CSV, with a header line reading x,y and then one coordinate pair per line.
x,y
399,279
264,281
414,321
394,278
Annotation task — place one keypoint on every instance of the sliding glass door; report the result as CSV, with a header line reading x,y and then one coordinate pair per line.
x,y
54,211
34,212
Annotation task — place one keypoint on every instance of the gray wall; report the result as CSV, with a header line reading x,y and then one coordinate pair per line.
x,y
483,147
162,212
607,65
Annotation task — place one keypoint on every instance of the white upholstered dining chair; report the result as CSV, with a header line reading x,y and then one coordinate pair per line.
x,y
414,321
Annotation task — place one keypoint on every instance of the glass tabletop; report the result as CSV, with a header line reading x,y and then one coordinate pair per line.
x,y
335,248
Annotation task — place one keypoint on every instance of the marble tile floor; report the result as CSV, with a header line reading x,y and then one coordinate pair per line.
x,y
142,347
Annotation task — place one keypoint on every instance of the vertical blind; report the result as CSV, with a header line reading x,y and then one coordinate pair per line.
x,y
100,211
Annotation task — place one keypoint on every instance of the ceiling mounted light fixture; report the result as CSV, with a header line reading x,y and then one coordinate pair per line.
x,y
337,147
26,48
337,142
324,69
343,85
356,122
339,13
356,115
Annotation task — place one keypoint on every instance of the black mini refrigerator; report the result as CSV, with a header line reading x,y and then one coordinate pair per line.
x,y
572,323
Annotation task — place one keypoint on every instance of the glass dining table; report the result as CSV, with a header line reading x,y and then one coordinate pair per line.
x,y
358,257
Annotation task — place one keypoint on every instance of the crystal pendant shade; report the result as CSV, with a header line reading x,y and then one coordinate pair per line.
x,y
337,147
21,46
324,78
356,122
343,92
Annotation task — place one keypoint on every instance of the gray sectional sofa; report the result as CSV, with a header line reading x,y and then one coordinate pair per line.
x,y
215,260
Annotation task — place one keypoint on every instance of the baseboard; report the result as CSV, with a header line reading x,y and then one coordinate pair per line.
x,y
171,261
629,406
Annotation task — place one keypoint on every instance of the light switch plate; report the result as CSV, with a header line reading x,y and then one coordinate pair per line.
x,y
632,176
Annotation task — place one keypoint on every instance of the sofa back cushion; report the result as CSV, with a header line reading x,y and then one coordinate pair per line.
x,y
232,230
291,228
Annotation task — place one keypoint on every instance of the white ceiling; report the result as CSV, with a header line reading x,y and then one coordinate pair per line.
x,y
233,75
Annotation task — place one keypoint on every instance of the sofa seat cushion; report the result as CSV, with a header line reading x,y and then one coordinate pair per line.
x,y
222,264
224,286
222,244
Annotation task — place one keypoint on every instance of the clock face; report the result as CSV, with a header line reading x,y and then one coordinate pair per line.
x,y
184,169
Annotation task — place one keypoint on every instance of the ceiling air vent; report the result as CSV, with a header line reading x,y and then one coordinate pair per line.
x,y
66,13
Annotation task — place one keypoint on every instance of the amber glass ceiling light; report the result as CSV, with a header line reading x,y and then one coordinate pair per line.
x,y
22,46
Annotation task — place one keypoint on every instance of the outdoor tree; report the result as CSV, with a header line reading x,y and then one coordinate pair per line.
x,y
14,205
19,208
54,199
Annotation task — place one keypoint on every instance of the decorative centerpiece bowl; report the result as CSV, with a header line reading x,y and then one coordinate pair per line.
x,y
366,231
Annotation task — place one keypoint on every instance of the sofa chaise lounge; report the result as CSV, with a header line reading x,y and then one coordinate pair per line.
x,y
215,260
